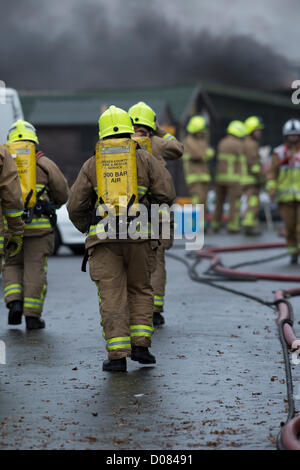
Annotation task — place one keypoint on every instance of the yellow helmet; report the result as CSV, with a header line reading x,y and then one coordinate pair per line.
x,y
142,114
22,130
237,129
196,124
114,121
253,123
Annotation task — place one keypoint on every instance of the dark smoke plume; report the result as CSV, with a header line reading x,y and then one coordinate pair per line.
x,y
141,49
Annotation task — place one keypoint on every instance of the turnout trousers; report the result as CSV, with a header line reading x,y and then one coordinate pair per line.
x,y
159,279
198,192
25,275
250,216
122,272
233,191
290,214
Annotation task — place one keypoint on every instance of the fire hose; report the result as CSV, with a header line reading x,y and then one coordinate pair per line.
x,y
287,438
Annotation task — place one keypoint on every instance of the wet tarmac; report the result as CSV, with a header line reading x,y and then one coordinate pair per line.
x,y
219,381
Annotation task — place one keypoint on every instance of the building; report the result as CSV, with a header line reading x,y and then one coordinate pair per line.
x,y
67,123
239,103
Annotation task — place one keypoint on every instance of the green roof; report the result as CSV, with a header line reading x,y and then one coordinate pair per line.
x,y
248,94
84,107
175,102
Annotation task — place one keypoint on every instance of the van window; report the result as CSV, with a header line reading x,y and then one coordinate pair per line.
x,y
10,111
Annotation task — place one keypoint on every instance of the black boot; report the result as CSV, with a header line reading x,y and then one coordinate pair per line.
x,y
34,323
115,365
142,355
158,319
252,232
294,259
15,312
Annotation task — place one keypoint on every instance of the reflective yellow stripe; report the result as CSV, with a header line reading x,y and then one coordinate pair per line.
x,y
248,179
142,190
229,157
33,300
140,228
141,330
158,300
95,229
121,342
39,188
168,137
209,153
9,286
228,177
253,201
249,220
13,212
271,184
44,292
198,178
38,223
255,168
13,289
100,228
234,227
164,211
30,302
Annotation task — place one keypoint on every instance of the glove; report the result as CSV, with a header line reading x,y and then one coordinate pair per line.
x,y
14,244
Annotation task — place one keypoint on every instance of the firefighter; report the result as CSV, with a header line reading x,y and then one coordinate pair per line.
x,y
11,206
252,173
230,151
121,267
162,143
196,157
163,146
283,180
44,188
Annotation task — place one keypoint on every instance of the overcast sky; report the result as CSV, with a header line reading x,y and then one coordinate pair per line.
x,y
273,22
63,44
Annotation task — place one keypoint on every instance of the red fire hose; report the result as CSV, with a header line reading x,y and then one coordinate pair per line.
x,y
217,266
289,431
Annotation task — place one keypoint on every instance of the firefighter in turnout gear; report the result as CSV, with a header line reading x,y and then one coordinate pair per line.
x,y
228,177
283,181
11,206
44,188
197,155
121,267
164,147
252,173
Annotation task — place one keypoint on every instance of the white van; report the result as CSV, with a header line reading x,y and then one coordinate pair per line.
x,y
10,110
